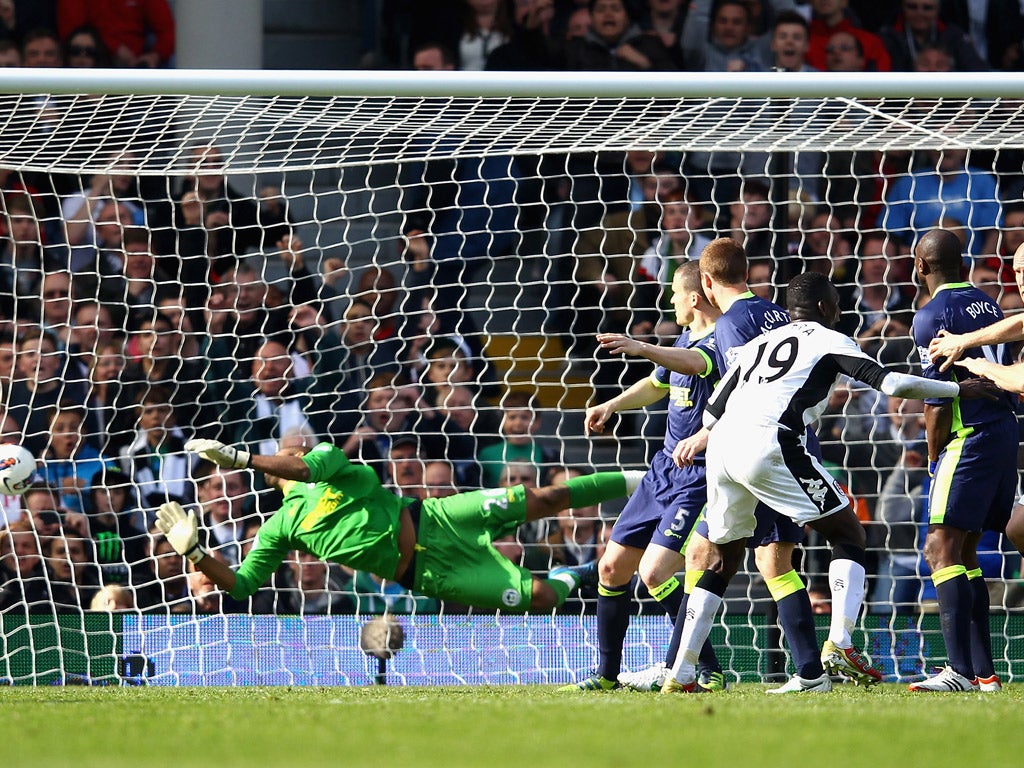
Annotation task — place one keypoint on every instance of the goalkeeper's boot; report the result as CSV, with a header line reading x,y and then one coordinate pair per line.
x,y
585,575
711,680
650,679
849,662
592,683
671,685
797,684
990,684
948,679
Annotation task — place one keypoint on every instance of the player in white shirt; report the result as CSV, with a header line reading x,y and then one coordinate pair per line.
x,y
780,383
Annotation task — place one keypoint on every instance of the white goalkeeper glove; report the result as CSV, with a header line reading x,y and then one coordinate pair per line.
x,y
220,454
181,530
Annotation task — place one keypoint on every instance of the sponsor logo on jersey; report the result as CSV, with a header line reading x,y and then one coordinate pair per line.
x,y
681,397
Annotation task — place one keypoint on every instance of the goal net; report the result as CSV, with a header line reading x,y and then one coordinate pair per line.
x,y
415,268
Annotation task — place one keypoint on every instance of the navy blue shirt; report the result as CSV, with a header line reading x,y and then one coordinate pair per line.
x,y
688,393
747,318
962,308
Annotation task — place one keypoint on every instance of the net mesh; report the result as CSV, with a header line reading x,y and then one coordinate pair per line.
x,y
259,269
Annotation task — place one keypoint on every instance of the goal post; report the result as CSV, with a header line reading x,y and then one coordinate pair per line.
x,y
516,214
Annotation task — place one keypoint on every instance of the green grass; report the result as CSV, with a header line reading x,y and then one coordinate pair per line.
x,y
525,726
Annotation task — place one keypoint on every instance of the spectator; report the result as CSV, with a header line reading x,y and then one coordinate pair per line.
x,y
23,576
721,38
57,306
92,329
166,586
487,26
40,47
156,460
900,506
844,53
829,17
112,598
10,54
883,311
274,403
113,516
81,210
213,224
137,33
790,42
948,188
70,463
918,25
665,19
995,28
25,256
239,320
461,423
312,587
140,274
433,57
222,495
615,42
933,58
40,386
439,479
160,365
84,48
405,467
72,568
519,426
581,535
110,431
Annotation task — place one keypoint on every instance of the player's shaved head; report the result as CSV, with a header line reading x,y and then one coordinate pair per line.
x,y
941,250
811,296
724,261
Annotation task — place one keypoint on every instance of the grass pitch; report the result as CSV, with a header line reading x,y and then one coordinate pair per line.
x,y
522,726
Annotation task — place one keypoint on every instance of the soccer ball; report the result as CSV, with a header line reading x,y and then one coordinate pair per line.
x,y
17,467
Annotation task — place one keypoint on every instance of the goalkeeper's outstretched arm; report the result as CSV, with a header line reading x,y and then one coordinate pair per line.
x,y
284,466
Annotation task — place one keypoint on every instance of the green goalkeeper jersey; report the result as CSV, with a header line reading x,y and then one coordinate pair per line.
x,y
343,514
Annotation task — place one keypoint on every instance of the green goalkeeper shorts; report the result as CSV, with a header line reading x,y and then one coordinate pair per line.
x,y
455,559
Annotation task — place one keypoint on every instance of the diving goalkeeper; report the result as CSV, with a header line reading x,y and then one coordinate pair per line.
x,y
441,547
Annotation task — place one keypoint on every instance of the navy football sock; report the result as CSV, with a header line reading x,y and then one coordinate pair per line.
x,y
981,637
613,607
955,599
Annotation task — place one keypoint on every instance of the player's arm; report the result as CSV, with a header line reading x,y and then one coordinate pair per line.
x,y
640,394
950,347
938,421
1008,377
281,465
678,359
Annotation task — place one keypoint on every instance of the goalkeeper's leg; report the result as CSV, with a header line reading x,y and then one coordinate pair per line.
x,y
577,492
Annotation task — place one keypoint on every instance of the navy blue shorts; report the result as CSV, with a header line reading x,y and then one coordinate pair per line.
x,y
975,484
664,507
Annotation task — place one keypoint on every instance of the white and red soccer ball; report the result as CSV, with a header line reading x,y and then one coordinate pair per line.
x,y
17,469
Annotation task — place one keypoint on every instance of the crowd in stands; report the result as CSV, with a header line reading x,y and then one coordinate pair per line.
x,y
137,313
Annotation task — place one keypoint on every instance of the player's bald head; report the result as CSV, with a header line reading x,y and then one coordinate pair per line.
x,y
941,250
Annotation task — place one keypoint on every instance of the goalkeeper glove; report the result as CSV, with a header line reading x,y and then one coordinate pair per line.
x,y
181,530
220,454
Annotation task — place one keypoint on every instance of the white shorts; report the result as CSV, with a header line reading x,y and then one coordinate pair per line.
x,y
770,466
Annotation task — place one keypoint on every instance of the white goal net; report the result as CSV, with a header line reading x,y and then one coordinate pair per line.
x,y
310,258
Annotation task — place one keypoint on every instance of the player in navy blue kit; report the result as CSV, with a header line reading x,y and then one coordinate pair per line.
x,y
972,458
744,317
652,529
758,453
